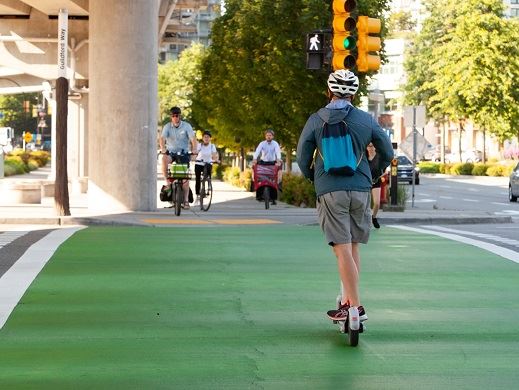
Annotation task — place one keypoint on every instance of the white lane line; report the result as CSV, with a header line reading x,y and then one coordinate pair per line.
x,y
19,277
491,237
446,197
470,200
501,204
503,252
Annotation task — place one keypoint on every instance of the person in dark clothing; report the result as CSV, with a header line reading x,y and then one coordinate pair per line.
x,y
376,179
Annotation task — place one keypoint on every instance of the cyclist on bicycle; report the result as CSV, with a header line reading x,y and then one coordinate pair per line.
x,y
177,137
268,151
206,154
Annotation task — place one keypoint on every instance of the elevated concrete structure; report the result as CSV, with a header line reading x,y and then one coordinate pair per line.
x,y
113,56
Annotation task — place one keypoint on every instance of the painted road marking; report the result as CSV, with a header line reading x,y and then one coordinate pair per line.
x,y
7,237
19,277
212,221
470,200
490,237
501,204
507,212
503,252
446,197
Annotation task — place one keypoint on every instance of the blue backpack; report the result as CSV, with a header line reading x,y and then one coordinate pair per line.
x,y
337,150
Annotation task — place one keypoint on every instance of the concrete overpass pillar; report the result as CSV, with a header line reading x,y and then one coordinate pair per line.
x,y
123,105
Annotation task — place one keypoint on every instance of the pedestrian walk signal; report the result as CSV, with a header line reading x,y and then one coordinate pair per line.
x,y
315,50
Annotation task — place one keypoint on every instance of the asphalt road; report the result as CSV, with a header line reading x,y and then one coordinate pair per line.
x,y
478,193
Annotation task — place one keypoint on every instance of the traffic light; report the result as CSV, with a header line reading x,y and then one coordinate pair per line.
x,y
365,26
344,42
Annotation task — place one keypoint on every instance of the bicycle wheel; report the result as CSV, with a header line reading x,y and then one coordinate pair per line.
x,y
179,198
206,194
266,196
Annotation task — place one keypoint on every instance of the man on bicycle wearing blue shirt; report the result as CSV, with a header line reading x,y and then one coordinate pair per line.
x,y
177,137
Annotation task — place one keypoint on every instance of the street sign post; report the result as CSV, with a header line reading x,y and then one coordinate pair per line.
x,y
414,116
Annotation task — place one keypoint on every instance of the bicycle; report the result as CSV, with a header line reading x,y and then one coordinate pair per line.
x,y
206,188
178,175
266,182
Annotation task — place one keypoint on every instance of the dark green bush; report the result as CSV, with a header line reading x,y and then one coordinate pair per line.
x,y
298,190
462,169
480,169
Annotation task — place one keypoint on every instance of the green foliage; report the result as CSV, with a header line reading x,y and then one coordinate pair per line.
x,y
14,116
16,165
462,169
19,161
233,176
480,169
41,157
402,196
298,190
445,168
496,170
177,79
429,167
255,76
465,52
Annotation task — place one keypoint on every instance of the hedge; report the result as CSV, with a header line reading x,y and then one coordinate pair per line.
x,y
478,169
19,161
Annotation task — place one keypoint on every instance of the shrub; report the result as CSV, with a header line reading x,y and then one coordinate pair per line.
x,y
233,176
218,170
298,190
429,167
401,195
496,170
41,157
14,165
480,169
445,168
462,169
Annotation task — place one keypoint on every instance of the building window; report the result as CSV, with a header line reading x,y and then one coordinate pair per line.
x,y
514,12
514,1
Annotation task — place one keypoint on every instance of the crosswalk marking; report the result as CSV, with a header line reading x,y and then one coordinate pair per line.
x,y
7,237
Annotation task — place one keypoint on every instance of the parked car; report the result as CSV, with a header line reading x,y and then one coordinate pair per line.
x,y
513,185
405,170
467,156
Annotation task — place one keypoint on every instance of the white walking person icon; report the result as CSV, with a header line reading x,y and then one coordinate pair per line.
x,y
314,42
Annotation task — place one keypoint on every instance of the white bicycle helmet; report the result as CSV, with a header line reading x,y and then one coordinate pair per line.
x,y
343,83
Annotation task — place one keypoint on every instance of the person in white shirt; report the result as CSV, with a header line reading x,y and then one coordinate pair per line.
x,y
268,151
206,154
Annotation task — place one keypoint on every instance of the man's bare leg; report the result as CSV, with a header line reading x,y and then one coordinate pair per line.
x,y
348,271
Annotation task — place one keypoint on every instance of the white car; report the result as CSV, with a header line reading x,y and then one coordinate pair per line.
x,y
468,156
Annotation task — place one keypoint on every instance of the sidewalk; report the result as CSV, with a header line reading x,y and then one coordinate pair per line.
x,y
230,206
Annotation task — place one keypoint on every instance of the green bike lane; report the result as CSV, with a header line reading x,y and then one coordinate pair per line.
x,y
244,307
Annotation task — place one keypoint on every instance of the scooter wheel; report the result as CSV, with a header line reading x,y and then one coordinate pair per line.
x,y
353,336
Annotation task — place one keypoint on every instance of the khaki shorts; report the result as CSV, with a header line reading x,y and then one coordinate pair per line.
x,y
345,216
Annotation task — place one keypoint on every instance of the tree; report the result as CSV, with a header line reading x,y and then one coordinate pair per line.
x,y
254,76
14,115
464,65
177,79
